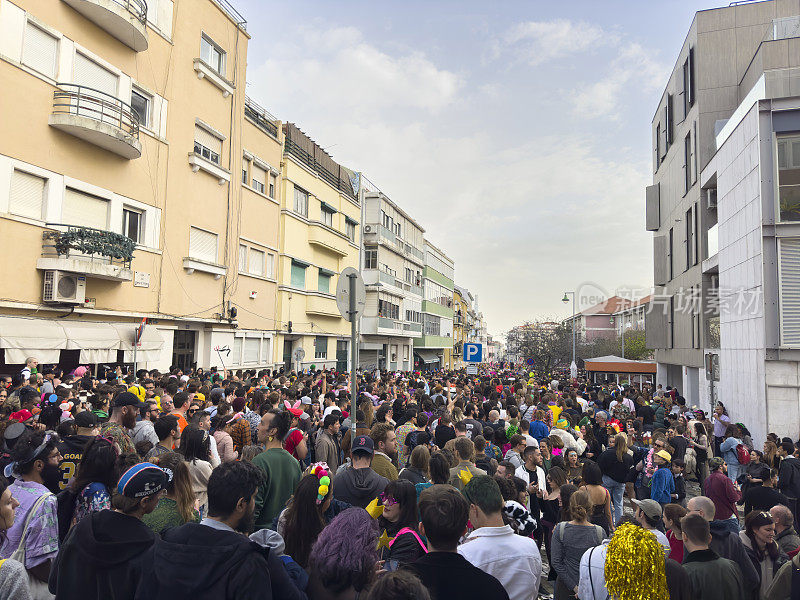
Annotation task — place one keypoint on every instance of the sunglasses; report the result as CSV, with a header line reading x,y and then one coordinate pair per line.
x,y
387,500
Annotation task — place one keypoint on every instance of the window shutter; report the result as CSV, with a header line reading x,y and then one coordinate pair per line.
x,y
237,351
40,50
252,348
265,350
27,195
270,265
259,175
256,262
789,286
90,74
321,345
207,139
84,210
202,245
298,275
242,258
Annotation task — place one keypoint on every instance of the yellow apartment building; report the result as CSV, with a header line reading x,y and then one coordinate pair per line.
x,y
136,180
462,323
319,236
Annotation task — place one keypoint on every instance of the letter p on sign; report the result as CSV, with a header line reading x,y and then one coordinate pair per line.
x,y
473,353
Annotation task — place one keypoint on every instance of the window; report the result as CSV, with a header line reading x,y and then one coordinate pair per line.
x,y
140,103
388,221
324,282
202,245
242,258
257,262
270,265
301,201
212,55
438,293
327,216
388,307
91,74
657,148
696,248
252,349
80,208
671,253
27,195
432,324
689,85
298,275
789,177
398,230
413,316
271,192
672,321
132,223
370,257
237,350
320,347
245,177
689,238
687,162
40,50
668,125
259,178
265,347
409,275
207,145
350,230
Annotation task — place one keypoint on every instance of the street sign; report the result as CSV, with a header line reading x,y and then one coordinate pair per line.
x,y
472,369
343,294
473,353
299,354
529,362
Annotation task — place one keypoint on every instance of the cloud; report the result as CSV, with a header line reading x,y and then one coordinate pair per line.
x,y
542,41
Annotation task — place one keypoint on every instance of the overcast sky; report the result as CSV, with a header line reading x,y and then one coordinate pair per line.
x,y
517,133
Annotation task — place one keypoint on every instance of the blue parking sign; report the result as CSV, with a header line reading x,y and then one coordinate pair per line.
x,y
473,353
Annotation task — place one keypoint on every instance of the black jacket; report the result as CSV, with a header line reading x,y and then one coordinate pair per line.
x,y
789,477
104,556
405,548
760,497
357,487
712,577
450,575
199,562
728,545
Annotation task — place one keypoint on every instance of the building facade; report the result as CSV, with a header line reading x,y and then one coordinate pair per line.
x,y
392,269
137,104
434,349
319,237
463,323
725,54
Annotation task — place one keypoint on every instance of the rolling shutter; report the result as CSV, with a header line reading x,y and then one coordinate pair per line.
x,y
90,74
242,258
259,175
207,139
237,351
202,245
27,195
789,286
40,50
84,210
256,262
252,349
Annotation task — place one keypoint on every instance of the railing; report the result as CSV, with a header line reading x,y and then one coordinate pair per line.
x,y
413,327
387,278
387,233
138,8
409,249
293,148
415,289
233,13
72,99
71,240
262,118
387,323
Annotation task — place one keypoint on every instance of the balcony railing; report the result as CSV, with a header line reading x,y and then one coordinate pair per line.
x,y
74,241
72,100
387,323
114,16
413,327
387,278
387,233
260,116
409,249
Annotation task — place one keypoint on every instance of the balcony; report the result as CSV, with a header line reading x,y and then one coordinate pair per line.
x,y
323,238
393,324
91,252
260,117
413,327
125,20
98,118
322,305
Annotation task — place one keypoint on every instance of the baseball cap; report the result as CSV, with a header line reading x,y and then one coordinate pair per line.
x,y
305,400
649,507
86,419
142,480
665,455
364,443
331,409
20,416
127,399
713,464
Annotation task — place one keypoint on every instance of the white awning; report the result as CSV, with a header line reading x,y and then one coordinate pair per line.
x,y
149,346
23,337
98,342
428,357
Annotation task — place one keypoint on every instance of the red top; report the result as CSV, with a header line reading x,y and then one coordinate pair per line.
x,y
676,545
719,488
292,440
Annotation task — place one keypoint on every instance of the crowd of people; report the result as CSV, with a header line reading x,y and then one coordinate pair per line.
x,y
437,485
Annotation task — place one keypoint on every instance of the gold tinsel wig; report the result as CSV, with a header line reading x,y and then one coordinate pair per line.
x,y
634,567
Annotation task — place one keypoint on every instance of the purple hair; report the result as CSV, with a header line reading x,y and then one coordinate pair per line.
x,y
345,553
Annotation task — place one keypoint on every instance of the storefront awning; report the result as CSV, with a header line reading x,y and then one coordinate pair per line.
x,y
98,342
428,356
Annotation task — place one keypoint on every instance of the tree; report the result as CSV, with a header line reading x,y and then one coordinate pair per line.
x,y
548,343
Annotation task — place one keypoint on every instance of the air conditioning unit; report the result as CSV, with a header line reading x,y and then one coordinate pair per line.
x,y
64,288
711,197
367,228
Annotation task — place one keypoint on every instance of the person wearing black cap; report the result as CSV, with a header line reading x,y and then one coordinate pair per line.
x,y
212,559
124,408
357,484
71,447
11,434
106,554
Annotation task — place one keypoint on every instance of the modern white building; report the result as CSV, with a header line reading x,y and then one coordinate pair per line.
x,y
392,268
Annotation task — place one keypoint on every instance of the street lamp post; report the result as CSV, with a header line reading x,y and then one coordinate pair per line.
x,y
574,366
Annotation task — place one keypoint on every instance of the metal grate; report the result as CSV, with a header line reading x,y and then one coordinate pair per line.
x,y
49,286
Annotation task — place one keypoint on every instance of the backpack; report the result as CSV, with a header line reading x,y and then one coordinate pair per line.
x,y
743,454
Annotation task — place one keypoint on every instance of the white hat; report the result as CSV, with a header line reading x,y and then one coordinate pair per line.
x,y
184,378
330,409
305,400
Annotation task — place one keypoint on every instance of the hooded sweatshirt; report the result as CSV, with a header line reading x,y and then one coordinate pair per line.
x,y
200,562
104,556
358,487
